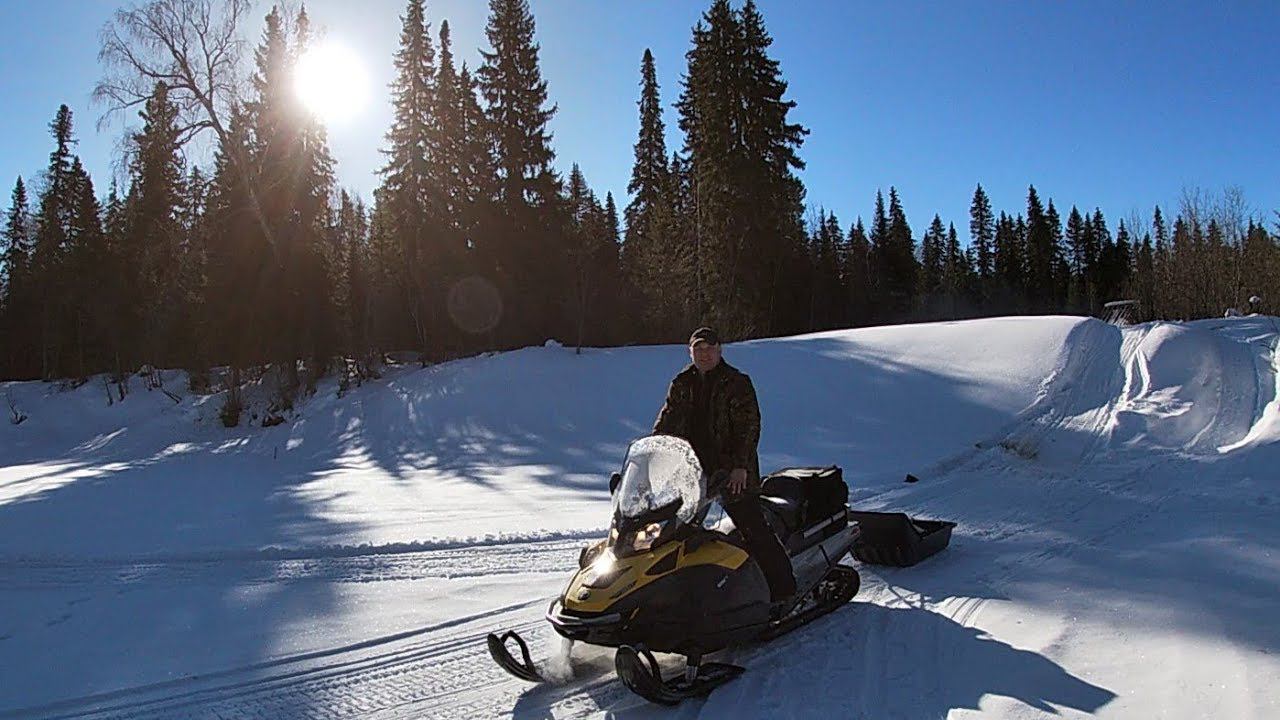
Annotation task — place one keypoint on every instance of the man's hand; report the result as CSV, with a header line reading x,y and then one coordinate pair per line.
x,y
737,480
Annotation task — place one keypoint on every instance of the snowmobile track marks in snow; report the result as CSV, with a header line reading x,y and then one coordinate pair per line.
x,y
555,556
442,666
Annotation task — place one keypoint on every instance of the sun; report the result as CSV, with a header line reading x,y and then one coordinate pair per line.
x,y
330,82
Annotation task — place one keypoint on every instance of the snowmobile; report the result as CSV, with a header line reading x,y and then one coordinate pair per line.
x,y
667,579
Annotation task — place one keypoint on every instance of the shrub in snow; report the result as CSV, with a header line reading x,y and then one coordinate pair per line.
x,y
231,408
16,416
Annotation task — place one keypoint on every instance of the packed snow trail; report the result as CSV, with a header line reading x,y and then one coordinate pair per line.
x,y
1115,556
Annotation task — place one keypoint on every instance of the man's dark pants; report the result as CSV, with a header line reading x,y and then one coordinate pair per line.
x,y
762,544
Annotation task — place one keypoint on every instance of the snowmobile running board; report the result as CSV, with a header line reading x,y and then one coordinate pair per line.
x,y
896,539
640,673
498,649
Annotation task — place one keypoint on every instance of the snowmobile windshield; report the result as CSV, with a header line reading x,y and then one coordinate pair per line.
x,y
661,476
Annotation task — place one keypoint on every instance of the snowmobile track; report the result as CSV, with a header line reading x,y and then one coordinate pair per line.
x,y
440,666
555,556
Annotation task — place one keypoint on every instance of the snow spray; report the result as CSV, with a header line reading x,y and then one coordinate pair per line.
x,y
559,669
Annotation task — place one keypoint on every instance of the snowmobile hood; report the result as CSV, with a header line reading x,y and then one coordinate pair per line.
x,y
608,579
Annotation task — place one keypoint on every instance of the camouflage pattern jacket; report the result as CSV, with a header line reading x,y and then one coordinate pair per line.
x,y
732,433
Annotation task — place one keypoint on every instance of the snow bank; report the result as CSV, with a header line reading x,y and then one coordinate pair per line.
x,y
516,444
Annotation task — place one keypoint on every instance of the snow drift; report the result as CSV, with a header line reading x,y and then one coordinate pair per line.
x,y
1116,552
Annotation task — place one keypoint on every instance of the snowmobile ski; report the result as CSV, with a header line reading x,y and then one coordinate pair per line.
x,y
522,668
640,673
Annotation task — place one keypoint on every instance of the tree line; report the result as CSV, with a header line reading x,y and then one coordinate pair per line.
x,y
472,241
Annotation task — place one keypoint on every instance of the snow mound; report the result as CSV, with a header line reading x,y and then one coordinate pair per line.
x,y
1189,388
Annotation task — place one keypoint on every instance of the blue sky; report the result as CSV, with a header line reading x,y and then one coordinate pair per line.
x,y
1118,105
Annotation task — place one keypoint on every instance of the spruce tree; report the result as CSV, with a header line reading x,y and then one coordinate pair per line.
x,y
238,262
742,148
649,182
1100,248
314,273
409,194
86,262
856,275
1061,271
956,273
932,258
775,240
982,229
49,267
16,245
1040,255
149,250
1144,271
649,218
901,268
1079,247
532,262
1007,259
17,296
449,159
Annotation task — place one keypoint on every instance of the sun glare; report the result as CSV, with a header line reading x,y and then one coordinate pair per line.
x,y
330,81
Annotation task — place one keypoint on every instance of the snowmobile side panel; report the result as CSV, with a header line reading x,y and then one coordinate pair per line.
x,y
699,609
598,586
899,540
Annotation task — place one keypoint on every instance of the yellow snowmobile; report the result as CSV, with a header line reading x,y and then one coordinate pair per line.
x,y
669,580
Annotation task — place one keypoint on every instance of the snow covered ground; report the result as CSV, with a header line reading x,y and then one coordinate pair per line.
x,y
1117,552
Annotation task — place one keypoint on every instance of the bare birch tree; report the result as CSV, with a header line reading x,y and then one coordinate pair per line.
x,y
195,48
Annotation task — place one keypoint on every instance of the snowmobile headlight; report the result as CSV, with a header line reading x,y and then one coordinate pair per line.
x,y
602,572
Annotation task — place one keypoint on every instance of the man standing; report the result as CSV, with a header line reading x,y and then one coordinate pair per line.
x,y
712,405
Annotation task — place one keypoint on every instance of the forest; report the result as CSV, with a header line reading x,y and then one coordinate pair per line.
x,y
474,242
